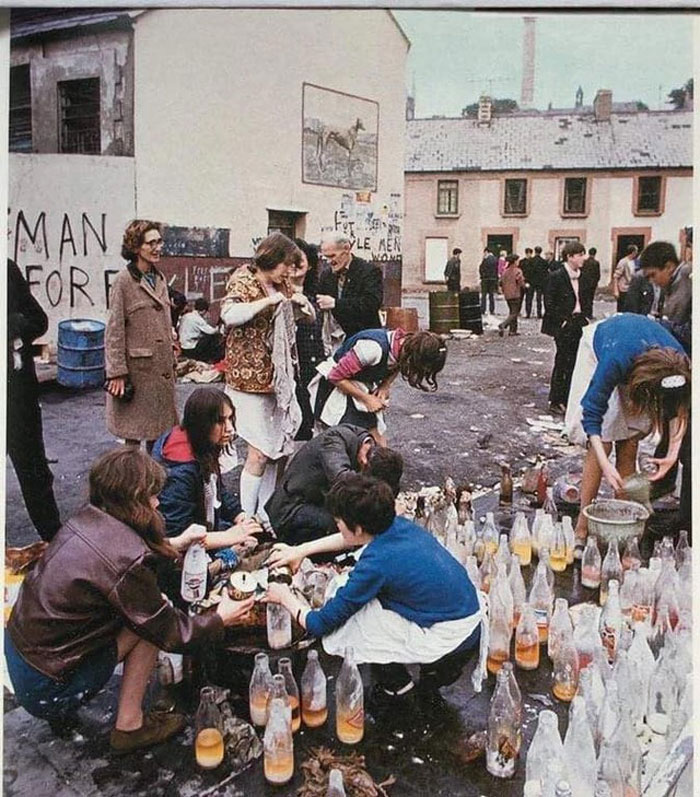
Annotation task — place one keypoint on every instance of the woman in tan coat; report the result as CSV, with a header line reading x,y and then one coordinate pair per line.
x,y
513,285
139,357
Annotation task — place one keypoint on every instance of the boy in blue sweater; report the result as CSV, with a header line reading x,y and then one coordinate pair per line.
x,y
407,600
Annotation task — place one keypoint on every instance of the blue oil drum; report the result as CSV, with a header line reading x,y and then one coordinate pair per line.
x,y
81,353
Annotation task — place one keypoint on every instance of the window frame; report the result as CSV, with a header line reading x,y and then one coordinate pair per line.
x,y
19,111
566,212
64,146
658,211
453,189
526,206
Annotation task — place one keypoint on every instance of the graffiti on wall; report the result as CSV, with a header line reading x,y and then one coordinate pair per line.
x,y
373,227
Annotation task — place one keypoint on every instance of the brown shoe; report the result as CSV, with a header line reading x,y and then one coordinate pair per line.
x,y
156,728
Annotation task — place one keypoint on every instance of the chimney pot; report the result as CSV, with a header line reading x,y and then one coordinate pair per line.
x,y
602,105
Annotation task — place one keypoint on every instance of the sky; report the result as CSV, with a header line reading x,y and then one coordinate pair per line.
x,y
457,55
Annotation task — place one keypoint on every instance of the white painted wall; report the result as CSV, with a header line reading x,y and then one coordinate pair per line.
x,y
68,264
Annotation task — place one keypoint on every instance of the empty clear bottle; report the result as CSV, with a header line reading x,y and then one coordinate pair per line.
x,y
490,534
609,713
285,669
279,626
631,557
610,624
643,596
336,787
278,744
626,593
535,536
569,537
473,571
586,637
642,663
503,552
521,540
517,697
549,507
279,690
546,744
609,772
565,669
562,789
545,534
527,641
630,754
662,698
259,689
579,750
590,564
561,624
503,731
611,568
541,600
544,557
487,571
314,708
349,702
682,548
557,553
518,591
592,690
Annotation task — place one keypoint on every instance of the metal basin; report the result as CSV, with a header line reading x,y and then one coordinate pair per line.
x,y
612,519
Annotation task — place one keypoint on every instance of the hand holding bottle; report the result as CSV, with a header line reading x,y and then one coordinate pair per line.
x,y
231,611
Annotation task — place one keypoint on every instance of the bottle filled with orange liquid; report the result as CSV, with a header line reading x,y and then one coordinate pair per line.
x,y
527,640
349,702
285,668
557,552
259,689
490,534
314,708
565,670
278,744
209,738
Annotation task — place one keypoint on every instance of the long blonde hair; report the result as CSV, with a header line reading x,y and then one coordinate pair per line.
x,y
648,396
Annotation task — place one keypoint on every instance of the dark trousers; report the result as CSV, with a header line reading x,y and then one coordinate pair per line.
x,y
513,313
566,340
25,445
209,349
621,302
308,523
532,291
489,289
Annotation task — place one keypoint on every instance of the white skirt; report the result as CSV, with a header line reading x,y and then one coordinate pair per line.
x,y
617,424
258,422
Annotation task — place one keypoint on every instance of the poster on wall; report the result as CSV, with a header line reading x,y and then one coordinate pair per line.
x,y
339,139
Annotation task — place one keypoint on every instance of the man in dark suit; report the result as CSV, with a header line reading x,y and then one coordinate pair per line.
x,y
564,321
590,277
488,274
453,271
26,321
351,289
539,271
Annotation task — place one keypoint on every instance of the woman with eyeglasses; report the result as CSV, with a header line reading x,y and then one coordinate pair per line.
x,y
139,358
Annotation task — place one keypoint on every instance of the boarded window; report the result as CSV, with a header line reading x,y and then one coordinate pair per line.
x,y
448,196
575,195
435,259
284,221
79,116
20,109
649,196
515,201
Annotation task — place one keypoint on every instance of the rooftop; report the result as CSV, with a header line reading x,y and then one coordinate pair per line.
x,y
546,140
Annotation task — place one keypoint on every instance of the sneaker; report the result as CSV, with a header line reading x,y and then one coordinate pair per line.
x,y
156,728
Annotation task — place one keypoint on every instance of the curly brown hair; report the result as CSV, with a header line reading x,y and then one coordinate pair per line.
x,y
133,237
122,482
421,358
646,393
276,249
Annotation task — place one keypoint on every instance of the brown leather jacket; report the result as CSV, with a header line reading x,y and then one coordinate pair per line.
x,y
96,577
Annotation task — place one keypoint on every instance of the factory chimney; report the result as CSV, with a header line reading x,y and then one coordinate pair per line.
x,y
527,89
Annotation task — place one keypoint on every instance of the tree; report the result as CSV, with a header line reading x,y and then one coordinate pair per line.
x,y
679,97
501,106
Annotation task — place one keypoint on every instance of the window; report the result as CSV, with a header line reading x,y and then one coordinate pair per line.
x,y
435,259
575,195
20,109
448,193
649,195
284,221
79,116
515,200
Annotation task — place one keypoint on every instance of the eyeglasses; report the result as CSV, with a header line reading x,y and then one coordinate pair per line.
x,y
154,244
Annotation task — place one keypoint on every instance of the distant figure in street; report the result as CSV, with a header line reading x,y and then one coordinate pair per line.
x,y
26,321
488,274
502,263
350,292
564,321
538,280
199,340
553,264
453,271
590,277
526,268
513,285
622,276
139,357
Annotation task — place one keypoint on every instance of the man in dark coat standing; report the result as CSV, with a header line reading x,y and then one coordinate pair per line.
x,y
453,271
590,277
488,274
564,321
297,507
351,289
539,273
26,321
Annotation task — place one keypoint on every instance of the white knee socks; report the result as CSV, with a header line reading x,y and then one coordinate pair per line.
x,y
267,487
250,491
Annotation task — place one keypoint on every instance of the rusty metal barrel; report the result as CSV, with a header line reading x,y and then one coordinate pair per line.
x,y
444,311
470,311
405,318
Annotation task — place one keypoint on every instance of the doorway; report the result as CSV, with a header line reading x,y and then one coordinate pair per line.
x,y
495,243
623,242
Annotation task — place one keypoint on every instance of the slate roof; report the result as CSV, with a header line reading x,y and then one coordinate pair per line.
x,y
26,22
652,139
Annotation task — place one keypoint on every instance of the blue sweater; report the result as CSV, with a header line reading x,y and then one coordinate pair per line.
x,y
617,341
410,573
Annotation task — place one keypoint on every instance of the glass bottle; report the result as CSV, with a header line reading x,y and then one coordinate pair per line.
x,y
666,591
562,789
557,554
602,789
545,534
314,707
579,750
473,571
500,632
643,597
544,557
631,558
336,787
535,536
278,744
517,697
549,507
541,599
349,701
586,638
521,540
518,591
642,664
569,538
611,568
279,626
682,548
285,668
209,737
609,772
490,534
546,744
193,584
259,689
610,623
592,690
561,624
506,493
500,591
662,627
487,571
479,546
503,552
590,564
626,593
662,697
609,713
503,734
542,481
527,641
629,754
565,669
